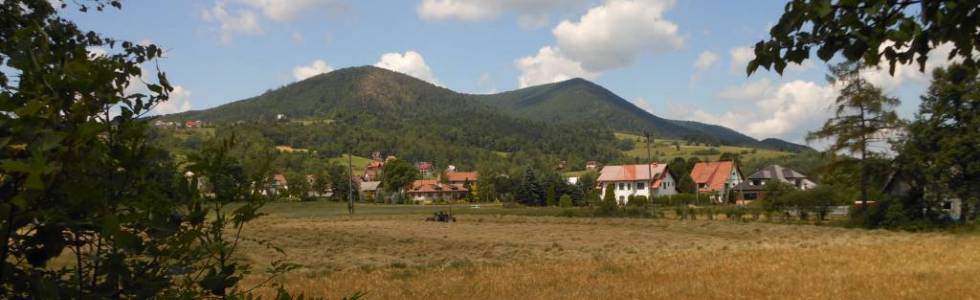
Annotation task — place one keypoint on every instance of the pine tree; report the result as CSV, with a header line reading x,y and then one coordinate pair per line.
x,y
863,114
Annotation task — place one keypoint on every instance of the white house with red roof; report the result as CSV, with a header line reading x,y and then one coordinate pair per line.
x,y
649,180
716,177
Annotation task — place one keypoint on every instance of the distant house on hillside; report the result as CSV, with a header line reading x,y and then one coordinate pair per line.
x,y
426,191
898,184
372,172
461,177
425,169
193,124
591,165
754,187
650,180
716,177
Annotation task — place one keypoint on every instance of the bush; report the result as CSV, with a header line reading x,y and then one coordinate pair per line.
x,y
638,201
565,201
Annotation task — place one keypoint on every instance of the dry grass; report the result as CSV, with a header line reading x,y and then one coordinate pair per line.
x,y
396,256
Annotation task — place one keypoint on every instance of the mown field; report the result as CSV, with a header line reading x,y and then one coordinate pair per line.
x,y
390,252
665,150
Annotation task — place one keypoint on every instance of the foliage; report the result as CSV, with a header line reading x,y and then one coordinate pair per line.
x,y
681,171
398,174
530,191
863,113
565,201
901,32
608,205
940,154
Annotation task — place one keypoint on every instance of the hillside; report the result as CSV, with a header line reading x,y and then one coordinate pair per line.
x,y
580,101
372,109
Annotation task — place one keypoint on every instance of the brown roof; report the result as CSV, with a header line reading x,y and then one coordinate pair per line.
x,y
461,176
376,164
632,172
713,174
279,179
434,186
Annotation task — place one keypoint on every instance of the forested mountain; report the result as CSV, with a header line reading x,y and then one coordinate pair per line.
x,y
578,100
372,109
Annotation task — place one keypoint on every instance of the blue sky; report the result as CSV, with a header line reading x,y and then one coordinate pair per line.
x,y
682,60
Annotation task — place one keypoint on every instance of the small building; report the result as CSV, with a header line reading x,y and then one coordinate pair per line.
x,y
649,180
900,185
369,189
426,191
277,186
372,172
753,188
425,169
193,124
461,177
591,165
717,177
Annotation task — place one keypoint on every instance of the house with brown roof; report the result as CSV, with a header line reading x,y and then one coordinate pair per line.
x,y
716,178
753,188
372,172
649,180
461,177
425,169
429,190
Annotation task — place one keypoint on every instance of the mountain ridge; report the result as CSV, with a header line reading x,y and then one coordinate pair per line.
x,y
389,94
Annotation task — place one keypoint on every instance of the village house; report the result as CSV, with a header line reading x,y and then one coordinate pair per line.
x,y
369,190
461,178
278,185
716,178
193,124
649,180
425,169
753,188
899,185
591,165
426,191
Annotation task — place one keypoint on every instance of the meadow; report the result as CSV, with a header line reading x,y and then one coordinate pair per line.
x,y
390,252
665,150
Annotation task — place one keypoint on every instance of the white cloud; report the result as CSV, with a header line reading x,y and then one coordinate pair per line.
x,y
486,84
411,63
643,103
788,111
613,34
230,24
315,68
754,90
706,60
905,73
532,14
740,59
180,101
247,14
284,10
548,66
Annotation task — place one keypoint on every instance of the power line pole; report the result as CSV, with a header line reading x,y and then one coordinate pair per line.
x,y
350,182
649,166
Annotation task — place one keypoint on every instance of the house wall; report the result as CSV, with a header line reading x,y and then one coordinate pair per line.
x,y
667,187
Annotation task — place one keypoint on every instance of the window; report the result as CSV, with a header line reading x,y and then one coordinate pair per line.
x,y
947,204
622,200
640,186
756,182
750,196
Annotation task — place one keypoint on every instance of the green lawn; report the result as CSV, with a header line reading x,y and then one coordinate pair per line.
x,y
360,163
664,150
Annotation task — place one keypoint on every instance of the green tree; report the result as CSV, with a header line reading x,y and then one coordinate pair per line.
x,y
399,174
862,115
565,201
530,191
550,196
608,204
900,32
79,177
941,153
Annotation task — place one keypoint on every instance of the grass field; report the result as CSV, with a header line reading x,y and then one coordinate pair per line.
x,y
359,163
389,252
664,150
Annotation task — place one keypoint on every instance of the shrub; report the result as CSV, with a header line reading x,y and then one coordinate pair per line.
x,y
638,201
565,201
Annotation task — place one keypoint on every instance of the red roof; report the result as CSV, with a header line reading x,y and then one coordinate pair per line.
x,y
434,186
633,172
423,166
376,164
712,174
279,179
461,176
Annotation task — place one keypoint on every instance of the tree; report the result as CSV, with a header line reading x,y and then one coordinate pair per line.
x,y
941,152
79,176
565,201
862,116
681,170
869,30
398,174
551,196
608,204
530,191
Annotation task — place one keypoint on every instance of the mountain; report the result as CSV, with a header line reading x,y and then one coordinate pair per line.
x,y
578,100
371,97
781,145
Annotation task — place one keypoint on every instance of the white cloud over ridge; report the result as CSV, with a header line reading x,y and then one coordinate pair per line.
x,y
411,63
315,68
237,17
180,101
531,14
613,34
549,65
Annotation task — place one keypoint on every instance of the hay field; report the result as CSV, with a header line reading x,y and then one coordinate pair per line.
x,y
388,252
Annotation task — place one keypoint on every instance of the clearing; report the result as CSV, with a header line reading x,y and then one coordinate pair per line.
x,y
389,252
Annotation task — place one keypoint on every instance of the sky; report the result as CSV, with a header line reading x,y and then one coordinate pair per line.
x,y
676,59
